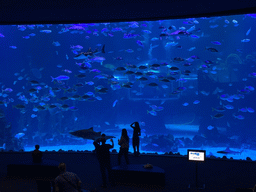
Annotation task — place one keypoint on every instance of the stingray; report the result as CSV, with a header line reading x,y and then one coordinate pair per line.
x,y
228,151
89,134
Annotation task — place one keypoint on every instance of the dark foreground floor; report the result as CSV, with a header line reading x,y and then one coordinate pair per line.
x,y
8,184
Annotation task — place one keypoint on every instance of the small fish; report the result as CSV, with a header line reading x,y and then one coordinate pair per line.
x,y
13,47
192,48
67,71
226,21
248,32
19,135
139,43
33,116
152,112
89,83
214,26
26,37
98,98
185,104
210,127
56,43
245,40
107,123
45,31
250,110
216,42
60,78
194,36
114,104
211,49
217,116
129,51
196,102
243,110
66,56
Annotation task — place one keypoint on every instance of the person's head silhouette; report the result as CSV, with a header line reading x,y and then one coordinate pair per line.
x,y
37,147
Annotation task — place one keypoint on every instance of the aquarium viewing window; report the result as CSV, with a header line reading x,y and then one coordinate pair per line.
x,y
188,82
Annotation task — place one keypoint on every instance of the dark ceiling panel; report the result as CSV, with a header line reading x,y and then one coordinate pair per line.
x,y
64,11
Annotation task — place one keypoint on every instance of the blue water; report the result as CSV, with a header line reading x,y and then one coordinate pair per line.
x,y
188,82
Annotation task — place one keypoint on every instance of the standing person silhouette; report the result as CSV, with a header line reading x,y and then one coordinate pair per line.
x,y
135,138
37,155
124,147
103,155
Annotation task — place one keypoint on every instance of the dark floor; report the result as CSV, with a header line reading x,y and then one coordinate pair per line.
x,y
8,184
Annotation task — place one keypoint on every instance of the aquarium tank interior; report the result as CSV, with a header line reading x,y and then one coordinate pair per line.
x,y
190,83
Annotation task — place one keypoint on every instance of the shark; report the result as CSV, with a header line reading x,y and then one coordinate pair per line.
x,y
228,151
84,55
89,134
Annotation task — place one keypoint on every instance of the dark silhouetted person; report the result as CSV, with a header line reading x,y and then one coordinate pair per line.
x,y
37,155
135,138
67,181
124,147
103,155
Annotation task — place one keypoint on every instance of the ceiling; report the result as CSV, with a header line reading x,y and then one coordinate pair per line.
x,y
86,11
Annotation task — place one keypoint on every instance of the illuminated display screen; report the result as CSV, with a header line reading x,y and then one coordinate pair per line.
x,y
196,155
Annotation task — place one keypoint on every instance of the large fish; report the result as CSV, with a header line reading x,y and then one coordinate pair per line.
x,y
228,151
89,134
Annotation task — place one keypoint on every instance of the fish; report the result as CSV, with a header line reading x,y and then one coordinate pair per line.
x,y
45,31
33,116
216,42
56,43
98,59
19,106
219,109
152,112
227,151
211,49
89,134
250,110
217,116
240,117
196,102
114,104
245,40
210,127
60,78
185,104
248,32
19,135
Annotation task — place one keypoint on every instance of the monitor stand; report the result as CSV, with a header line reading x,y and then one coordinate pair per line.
x,y
196,185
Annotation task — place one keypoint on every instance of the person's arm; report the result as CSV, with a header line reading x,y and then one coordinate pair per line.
x,y
132,125
139,133
56,188
79,184
120,141
112,143
95,143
